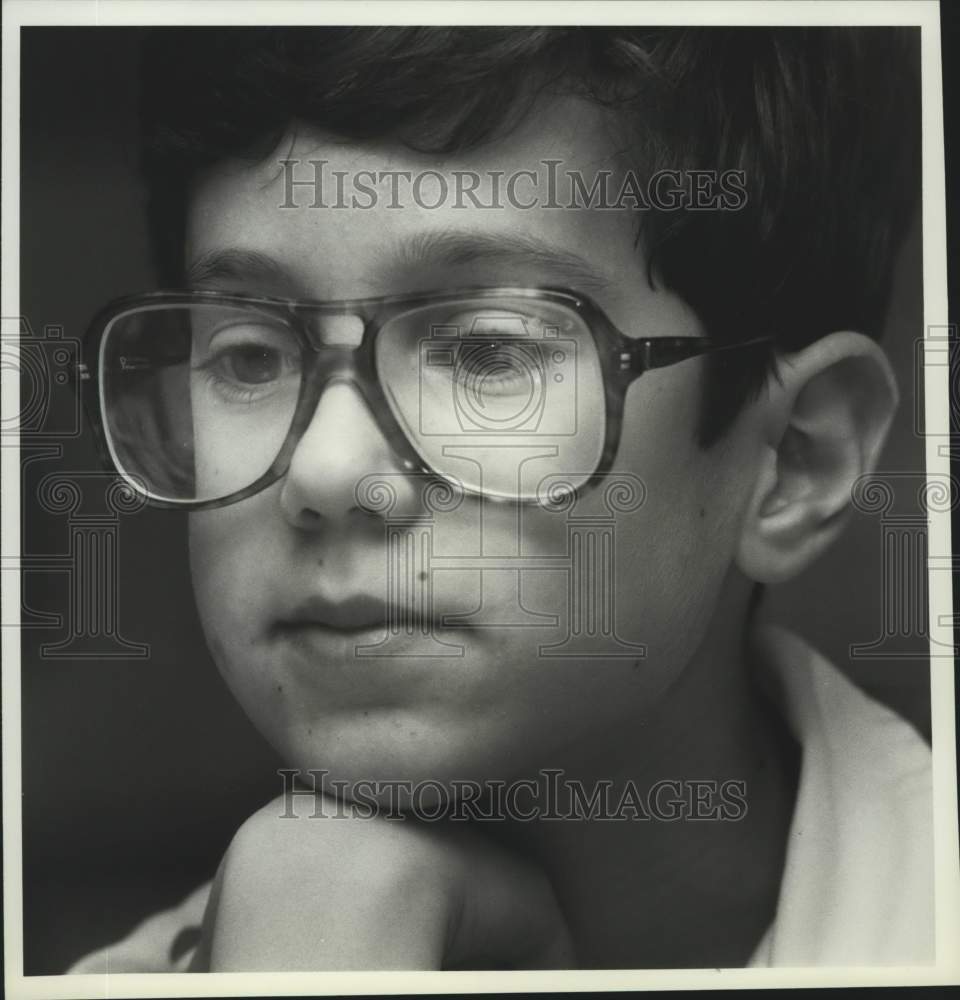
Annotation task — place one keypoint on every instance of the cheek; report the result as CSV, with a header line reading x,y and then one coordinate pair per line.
x,y
674,552
229,550
233,564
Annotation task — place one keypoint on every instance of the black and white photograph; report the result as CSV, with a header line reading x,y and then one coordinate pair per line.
x,y
582,619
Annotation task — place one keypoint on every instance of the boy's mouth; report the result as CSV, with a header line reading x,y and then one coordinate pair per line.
x,y
353,614
358,613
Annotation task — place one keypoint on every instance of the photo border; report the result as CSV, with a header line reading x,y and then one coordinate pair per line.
x,y
922,13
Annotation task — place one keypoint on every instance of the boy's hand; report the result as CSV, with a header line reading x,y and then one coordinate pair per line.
x,y
316,893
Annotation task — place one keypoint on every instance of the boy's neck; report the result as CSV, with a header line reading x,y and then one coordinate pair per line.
x,y
649,892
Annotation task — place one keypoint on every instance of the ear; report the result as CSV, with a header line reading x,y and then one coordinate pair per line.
x,y
828,418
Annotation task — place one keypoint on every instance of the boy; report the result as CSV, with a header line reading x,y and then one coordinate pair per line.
x,y
528,268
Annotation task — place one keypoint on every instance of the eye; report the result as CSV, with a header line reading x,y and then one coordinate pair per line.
x,y
247,360
250,364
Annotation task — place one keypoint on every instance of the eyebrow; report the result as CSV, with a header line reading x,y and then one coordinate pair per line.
x,y
449,248
453,248
234,264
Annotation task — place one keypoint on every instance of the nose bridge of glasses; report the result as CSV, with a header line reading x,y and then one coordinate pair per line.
x,y
336,330
336,364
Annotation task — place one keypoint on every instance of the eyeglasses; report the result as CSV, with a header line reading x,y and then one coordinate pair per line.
x,y
201,398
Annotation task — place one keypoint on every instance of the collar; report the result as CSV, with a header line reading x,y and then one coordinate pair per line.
x,y
857,885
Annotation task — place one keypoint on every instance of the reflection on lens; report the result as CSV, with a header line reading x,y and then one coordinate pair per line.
x,y
198,398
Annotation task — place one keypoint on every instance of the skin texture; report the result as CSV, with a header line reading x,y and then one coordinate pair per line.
x,y
760,505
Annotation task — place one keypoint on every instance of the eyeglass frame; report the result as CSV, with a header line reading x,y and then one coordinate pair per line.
x,y
623,359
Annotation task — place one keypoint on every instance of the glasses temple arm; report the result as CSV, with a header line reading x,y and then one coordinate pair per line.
x,y
660,352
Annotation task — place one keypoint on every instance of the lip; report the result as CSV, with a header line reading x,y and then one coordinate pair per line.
x,y
359,613
354,614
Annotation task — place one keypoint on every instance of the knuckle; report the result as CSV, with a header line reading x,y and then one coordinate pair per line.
x,y
324,843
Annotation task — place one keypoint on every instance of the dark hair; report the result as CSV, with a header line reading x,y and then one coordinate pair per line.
x,y
823,121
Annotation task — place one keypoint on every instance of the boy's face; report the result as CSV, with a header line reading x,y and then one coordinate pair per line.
x,y
290,581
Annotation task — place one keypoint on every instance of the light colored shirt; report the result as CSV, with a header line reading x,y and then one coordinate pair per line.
x,y
857,885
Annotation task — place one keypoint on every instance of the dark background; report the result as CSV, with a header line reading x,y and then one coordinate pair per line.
x,y
137,772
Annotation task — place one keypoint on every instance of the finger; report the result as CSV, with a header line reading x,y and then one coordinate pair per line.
x,y
508,917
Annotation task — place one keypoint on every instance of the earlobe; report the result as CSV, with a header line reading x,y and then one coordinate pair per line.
x,y
831,411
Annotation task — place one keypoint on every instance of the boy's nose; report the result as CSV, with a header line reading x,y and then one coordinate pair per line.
x,y
340,447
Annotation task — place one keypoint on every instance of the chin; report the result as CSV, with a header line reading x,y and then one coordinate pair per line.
x,y
415,747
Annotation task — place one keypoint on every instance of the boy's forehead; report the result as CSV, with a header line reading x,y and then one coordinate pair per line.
x,y
319,203
578,132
